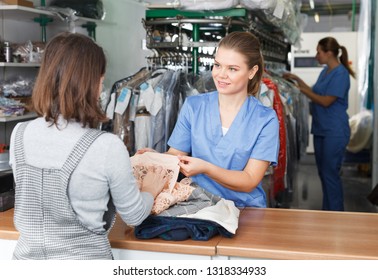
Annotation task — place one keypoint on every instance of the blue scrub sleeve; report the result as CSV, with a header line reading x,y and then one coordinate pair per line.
x,y
268,143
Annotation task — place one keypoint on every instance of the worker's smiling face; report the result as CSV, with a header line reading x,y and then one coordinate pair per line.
x,y
230,72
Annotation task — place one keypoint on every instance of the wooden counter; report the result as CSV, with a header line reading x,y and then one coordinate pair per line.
x,y
262,234
7,230
122,237
274,233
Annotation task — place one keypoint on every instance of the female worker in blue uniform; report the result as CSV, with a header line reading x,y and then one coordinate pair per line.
x,y
230,136
330,121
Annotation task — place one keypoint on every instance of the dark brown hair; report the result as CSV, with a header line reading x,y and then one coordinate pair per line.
x,y
248,45
331,44
68,81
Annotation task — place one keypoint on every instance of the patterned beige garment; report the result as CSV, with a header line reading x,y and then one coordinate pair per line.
x,y
174,191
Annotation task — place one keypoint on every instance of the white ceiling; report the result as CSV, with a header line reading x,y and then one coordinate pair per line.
x,y
330,6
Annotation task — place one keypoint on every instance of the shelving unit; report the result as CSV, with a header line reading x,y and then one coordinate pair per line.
x,y
33,15
14,64
7,123
14,19
22,13
26,116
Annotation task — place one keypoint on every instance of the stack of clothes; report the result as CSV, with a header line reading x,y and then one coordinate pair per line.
x,y
183,209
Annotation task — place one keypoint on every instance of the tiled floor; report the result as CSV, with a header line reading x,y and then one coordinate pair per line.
x,y
307,194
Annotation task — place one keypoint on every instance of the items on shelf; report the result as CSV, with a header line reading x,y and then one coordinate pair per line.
x,y
10,107
17,87
4,148
15,96
84,8
24,3
7,52
28,52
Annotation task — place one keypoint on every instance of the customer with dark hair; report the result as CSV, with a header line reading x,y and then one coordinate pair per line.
x,y
71,177
330,121
230,136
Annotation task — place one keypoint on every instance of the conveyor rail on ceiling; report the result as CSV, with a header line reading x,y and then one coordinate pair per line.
x,y
237,16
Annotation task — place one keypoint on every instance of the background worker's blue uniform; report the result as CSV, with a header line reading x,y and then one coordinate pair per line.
x,y
330,127
254,133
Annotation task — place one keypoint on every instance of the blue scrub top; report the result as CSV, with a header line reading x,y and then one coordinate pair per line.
x,y
254,133
332,120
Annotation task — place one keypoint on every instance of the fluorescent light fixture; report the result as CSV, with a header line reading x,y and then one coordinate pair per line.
x,y
316,17
186,26
312,4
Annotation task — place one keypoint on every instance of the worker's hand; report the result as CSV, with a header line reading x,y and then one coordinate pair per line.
x,y
190,166
143,150
155,181
290,77
298,82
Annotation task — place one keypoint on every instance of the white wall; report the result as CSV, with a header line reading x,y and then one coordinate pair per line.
x,y
335,23
121,36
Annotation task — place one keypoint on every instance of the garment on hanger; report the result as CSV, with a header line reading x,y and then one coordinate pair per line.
x,y
147,106
126,94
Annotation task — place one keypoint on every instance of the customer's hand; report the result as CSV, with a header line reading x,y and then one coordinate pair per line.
x,y
155,181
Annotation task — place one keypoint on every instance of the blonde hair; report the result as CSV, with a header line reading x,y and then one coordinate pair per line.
x,y
248,45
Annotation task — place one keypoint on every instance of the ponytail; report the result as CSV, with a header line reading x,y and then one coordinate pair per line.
x,y
331,44
345,61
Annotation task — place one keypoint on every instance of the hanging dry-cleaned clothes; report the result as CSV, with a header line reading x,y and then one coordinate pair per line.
x,y
147,106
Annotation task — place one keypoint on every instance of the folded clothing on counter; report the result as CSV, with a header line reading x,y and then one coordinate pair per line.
x,y
183,209
177,229
200,217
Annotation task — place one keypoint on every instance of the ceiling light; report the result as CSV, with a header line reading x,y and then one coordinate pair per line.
x,y
312,4
316,17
